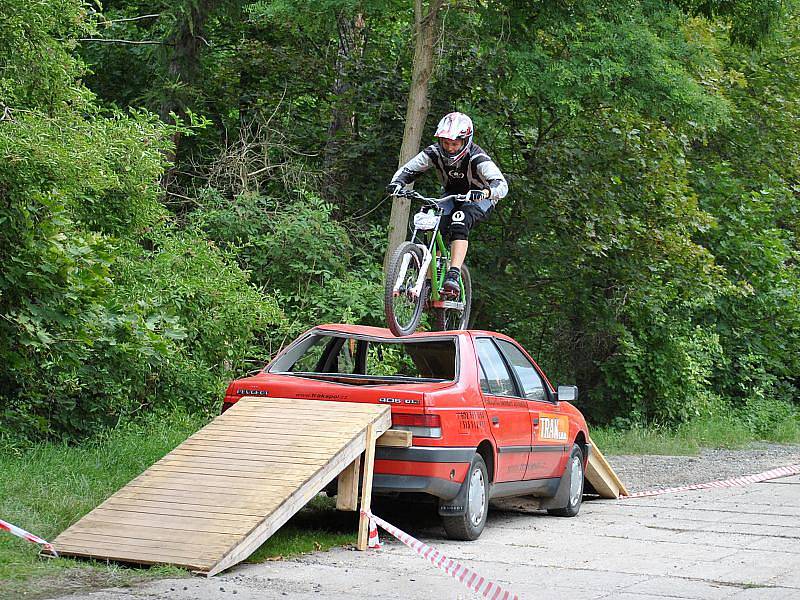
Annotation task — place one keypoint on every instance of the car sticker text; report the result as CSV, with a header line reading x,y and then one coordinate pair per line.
x,y
470,420
553,427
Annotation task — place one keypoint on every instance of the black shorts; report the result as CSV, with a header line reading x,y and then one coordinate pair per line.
x,y
458,224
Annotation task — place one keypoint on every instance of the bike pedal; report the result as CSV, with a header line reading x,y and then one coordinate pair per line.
x,y
448,295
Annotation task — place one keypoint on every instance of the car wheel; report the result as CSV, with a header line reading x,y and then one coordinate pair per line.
x,y
575,472
469,526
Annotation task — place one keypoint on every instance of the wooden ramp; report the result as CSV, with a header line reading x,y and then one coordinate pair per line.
x,y
217,497
602,477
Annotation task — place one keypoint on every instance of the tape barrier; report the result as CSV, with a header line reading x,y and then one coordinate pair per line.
x,y
490,589
724,483
21,533
471,579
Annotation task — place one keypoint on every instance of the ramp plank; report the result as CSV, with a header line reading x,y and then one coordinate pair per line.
x,y
167,508
602,477
217,497
84,540
199,499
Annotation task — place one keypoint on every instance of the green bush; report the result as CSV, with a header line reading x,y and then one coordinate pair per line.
x,y
298,251
771,418
662,368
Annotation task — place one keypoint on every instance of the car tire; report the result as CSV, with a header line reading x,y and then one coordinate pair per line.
x,y
469,525
576,473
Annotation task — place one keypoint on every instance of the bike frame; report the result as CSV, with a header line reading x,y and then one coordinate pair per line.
x,y
433,246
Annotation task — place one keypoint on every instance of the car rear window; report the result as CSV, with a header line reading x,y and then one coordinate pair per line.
x,y
322,354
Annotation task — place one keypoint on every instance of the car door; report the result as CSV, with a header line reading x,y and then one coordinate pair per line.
x,y
507,411
549,428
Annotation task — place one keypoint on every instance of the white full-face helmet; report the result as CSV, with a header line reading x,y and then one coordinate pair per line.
x,y
455,126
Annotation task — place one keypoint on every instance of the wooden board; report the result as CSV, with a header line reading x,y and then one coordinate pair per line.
x,y
602,477
217,497
395,438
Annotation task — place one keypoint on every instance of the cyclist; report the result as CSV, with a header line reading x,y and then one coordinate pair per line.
x,y
463,167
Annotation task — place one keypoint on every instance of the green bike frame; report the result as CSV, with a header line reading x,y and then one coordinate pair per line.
x,y
438,249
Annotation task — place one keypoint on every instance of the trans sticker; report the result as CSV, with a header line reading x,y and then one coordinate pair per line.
x,y
553,427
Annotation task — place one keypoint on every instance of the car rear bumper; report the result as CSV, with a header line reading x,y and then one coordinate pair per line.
x,y
435,486
425,454
435,471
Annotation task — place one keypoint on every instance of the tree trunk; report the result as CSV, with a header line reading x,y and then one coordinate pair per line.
x,y
352,37
426,25
183,65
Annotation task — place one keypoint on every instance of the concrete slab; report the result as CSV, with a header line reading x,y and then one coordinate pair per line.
x,y
766,593
661,587
701,545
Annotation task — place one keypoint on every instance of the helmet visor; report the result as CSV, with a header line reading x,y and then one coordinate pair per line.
x,y
451,148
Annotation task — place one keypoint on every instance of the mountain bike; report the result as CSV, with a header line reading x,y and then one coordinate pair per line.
x,y
417,271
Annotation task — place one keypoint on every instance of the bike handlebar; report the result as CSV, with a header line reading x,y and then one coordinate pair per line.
x,y
436,201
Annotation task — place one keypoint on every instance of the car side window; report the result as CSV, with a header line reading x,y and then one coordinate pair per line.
x,y
498,380
484,380
532,383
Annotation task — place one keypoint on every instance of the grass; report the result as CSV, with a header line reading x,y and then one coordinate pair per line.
x,y
46,488
317,527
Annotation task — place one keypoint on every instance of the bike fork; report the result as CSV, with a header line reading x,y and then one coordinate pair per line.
x,y
423,270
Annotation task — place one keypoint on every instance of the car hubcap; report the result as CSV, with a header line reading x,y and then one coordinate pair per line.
x,y
575,481
477,497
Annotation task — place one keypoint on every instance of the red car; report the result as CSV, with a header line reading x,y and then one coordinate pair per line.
x,y
485,420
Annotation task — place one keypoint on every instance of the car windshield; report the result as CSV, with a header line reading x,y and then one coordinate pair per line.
x,y
374,358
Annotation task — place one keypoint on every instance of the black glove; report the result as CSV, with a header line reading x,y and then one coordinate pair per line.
x,y
394,188
477,195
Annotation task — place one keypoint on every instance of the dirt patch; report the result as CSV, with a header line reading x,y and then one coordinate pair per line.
x,y
645,472
78,579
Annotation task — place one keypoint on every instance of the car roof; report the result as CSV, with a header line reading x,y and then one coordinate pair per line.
x,y
383,332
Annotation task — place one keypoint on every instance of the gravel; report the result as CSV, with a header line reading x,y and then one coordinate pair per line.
x,y
644,472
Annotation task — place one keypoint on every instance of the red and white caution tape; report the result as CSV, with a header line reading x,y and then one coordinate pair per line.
x,y
724,483
455,569
34,539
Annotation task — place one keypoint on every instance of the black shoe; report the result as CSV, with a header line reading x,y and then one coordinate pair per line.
x,y
451,287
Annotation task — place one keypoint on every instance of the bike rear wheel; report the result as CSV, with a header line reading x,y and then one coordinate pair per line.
x,y
452,318
403,310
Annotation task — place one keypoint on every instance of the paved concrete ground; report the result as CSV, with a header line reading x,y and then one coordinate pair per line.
x,y
734,544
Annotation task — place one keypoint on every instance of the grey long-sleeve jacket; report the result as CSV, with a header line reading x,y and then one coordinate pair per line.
x,y
474,171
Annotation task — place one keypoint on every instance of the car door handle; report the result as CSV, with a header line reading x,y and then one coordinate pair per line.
x,y
495,420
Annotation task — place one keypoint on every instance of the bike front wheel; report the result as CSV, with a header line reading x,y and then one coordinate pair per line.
x,y
453,318
404,309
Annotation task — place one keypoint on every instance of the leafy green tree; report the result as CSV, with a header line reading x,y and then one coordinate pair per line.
x,y
106,308
647,249
747,176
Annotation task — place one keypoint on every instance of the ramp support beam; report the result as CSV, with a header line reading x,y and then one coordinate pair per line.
x,y
366,487
347,493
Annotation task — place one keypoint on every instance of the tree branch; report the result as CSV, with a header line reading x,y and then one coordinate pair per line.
x,y
109,22
130,42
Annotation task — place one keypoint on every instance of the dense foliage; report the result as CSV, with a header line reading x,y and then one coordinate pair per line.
x,y
184,186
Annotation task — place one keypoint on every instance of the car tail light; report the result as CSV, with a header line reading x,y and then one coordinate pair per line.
x,y
419,425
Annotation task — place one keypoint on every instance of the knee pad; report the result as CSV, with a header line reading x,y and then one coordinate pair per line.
x,y
458,226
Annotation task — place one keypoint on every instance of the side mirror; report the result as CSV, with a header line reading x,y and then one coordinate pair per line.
x,y
567,393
